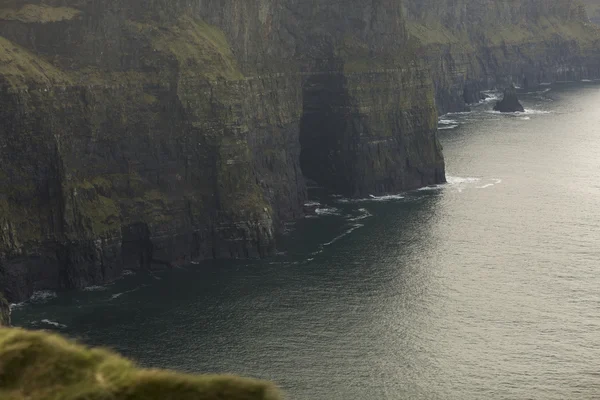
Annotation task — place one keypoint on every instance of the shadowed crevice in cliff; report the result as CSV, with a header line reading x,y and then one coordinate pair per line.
x,y
370,133
328,154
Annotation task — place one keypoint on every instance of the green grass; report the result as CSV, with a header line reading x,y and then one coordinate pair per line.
x,y
39,365
200,48
32,13
19,67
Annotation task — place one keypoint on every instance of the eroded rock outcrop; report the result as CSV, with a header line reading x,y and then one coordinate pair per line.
x,y
510,102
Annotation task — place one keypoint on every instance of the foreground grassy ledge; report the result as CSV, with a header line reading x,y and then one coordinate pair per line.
x,y
38,365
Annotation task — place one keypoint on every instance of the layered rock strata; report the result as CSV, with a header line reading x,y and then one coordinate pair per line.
x,y
139,134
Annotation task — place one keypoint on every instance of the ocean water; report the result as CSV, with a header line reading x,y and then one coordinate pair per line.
x,y
487,287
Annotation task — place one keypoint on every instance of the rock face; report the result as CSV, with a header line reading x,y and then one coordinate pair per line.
x,y
4,311
510,102
143,134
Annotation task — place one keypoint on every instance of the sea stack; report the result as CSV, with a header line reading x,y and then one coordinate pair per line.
x,y
510,102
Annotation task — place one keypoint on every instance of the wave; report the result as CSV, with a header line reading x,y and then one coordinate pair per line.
x,y
456,180
389,197
386,197
53,323
429,188
447,127
545,83
127,272
327,211
487,185
16,306
364,214
587,80
117,295
445,121
457,113
528,111
312,204
492,95
525,118
42,296
343,234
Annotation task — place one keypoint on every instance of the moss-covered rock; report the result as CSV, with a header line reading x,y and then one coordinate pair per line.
x,y
4,311
39,365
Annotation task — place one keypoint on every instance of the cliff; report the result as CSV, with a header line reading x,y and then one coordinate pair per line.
x,y
37,365
4,311
141,134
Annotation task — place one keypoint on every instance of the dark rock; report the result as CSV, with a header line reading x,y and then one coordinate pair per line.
x,y
510,102
4,311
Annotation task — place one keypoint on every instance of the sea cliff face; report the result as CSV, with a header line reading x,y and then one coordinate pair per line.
x,y
140,134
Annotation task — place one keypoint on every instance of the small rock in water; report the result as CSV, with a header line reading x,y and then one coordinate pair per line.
x,y
510,102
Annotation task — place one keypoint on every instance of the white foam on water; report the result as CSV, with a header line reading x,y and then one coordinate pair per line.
x,y
53,323
430,188
42,296
492,95
445,121
16,306
371,197
343,234
457,113
525,118
529,111
485,186
312,204
456,180
388,197
586,80
447,127
327,211
545,83
117,295
128,272
364,214
94,288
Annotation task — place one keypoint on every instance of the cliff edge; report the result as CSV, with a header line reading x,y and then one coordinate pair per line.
x,y
38,365
147,134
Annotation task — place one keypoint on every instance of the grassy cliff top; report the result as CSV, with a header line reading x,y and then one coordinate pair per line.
x,y
39,13
39,365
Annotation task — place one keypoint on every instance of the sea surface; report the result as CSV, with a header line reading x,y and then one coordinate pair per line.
x,y
487,287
